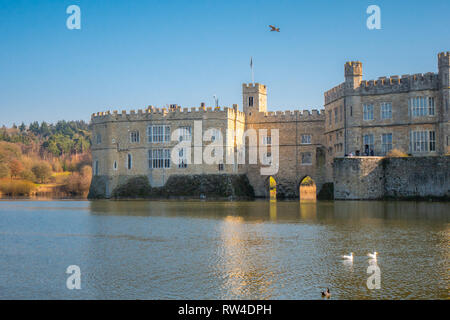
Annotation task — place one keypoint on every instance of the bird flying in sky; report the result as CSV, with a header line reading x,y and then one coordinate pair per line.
x,y
273,28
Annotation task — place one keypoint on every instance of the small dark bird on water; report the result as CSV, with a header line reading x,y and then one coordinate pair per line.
x,y
326,294
273,28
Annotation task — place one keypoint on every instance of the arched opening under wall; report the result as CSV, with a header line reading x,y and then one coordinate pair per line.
x,y
307,189
272,189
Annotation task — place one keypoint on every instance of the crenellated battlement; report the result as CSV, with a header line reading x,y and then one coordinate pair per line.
x,y
353,68
288,116
334,93
396,84
386,85
255,86
444,59
172,112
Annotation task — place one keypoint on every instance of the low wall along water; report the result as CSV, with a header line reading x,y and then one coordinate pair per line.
x,y
398,178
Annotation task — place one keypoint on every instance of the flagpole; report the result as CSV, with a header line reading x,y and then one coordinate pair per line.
x,y
251,67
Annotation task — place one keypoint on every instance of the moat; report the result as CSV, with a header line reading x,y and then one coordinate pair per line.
x,y
223,250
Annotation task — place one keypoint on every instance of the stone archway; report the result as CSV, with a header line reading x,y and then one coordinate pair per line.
x,y
307,189
272,189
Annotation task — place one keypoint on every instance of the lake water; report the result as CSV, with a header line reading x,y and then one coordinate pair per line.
x,y
223,250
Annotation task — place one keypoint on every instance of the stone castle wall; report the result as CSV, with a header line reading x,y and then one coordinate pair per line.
x,y
370,178
114,147
334,132
345,126
292,151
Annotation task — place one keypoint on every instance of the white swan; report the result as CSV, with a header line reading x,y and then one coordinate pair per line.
x,y
372,255
349,257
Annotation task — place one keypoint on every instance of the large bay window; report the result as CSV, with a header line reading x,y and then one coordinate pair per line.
x,y
158,134
423,141
159,158
422,106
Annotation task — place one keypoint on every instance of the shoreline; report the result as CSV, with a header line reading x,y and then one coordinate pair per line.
x,y
220,199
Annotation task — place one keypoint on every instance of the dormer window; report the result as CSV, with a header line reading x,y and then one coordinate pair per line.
x,y
250,101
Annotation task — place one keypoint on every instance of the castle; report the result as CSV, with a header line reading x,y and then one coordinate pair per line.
x,y
409,113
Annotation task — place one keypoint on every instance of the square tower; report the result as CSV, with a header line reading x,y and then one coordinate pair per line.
x,y
254,97
353,74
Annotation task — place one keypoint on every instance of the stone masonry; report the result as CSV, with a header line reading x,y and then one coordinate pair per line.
x,y
409,113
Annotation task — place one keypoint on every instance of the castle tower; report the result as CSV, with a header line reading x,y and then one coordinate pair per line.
x,y
254,97
353,74
444,88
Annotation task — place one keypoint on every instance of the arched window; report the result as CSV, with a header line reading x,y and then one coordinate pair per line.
x,y
115,165
129,162
250,101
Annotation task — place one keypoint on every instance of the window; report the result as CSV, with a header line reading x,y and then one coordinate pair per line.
x,y
159,158
432,141
368,144
99,138
215,134
329,117
306,158
421,106
268,158
129,162
368,112
335,115
158,134
167,134
250,101
134,136
386,110
184,134
182,161
220,166
115,165
338,147
386,142
267,140
431,106
96,168
423,141
351,111
341,112
306,139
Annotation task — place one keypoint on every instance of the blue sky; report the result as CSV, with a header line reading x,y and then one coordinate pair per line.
x,y
130,54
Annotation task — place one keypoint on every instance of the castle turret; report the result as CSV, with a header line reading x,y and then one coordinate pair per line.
x,y
254,97
353,74
444,88
444,69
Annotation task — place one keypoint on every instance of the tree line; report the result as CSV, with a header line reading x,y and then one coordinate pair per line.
x,y
62,138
